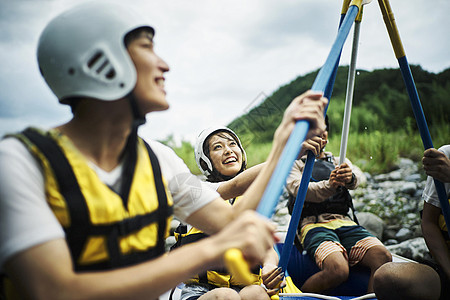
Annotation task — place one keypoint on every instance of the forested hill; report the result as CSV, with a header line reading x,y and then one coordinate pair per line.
x,y
380,102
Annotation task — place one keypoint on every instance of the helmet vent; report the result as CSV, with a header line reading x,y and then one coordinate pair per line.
x,y
101,66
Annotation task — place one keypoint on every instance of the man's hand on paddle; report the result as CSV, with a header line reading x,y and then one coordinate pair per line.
x,y
310,107
250,233
314,144
436,165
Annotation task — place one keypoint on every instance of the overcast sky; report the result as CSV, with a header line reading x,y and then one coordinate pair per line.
x,y
222,54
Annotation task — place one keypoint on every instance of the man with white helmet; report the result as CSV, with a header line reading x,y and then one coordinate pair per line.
x,y
84,206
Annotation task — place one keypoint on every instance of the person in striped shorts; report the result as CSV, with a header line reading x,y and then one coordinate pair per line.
x,y
327,230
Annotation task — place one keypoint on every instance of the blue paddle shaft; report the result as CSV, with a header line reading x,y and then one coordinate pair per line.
x,y
323,82
423,129
290,152
292,149
297,210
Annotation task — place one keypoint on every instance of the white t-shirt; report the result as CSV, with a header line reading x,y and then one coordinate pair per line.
x,y
213,185
429,194
26,220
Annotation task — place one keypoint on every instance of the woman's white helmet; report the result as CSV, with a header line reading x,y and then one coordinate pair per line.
x,y
81,52
200,155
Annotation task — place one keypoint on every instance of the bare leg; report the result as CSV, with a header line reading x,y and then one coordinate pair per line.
x,y
220,294
412,281
334,272
253,292
374,258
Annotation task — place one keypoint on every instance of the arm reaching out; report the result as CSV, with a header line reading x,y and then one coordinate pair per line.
x,y
239,184
215,215
250,233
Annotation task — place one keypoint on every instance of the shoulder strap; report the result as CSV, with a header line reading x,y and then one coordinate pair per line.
x,y
164,209
69,188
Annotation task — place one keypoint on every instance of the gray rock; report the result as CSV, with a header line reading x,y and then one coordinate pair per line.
x,y
390,242
395,175
372,223
414,177
404,234
415,249
389,234
409,188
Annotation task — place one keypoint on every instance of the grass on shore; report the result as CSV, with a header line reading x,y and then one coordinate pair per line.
x,y
374,152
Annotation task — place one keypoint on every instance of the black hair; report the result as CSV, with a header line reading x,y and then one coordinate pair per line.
x,y
136,33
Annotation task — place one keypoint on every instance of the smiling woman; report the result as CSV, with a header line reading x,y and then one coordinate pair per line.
x,y
219,154
222,159
226,154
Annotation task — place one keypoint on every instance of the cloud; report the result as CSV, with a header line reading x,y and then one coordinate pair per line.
x,y
222,54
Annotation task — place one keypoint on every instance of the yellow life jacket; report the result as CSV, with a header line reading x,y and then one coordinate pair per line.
x,y
104,229
218,277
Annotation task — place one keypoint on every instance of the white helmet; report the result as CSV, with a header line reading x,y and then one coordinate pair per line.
x,y
82,52
200,154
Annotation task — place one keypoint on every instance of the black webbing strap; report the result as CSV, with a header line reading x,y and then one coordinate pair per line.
x,y
191,238
203,278
128,226
128,167
163,208
69,188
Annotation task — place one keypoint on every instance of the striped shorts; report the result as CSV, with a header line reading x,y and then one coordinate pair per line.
x,y
352,241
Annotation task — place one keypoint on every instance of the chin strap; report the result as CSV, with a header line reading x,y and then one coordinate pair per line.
x,y
138,118
130,151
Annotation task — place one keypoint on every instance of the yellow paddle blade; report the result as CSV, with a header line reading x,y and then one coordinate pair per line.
x,y
238,266
290,286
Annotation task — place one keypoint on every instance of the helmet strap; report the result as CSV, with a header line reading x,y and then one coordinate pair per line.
x,y
130,153
138,118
